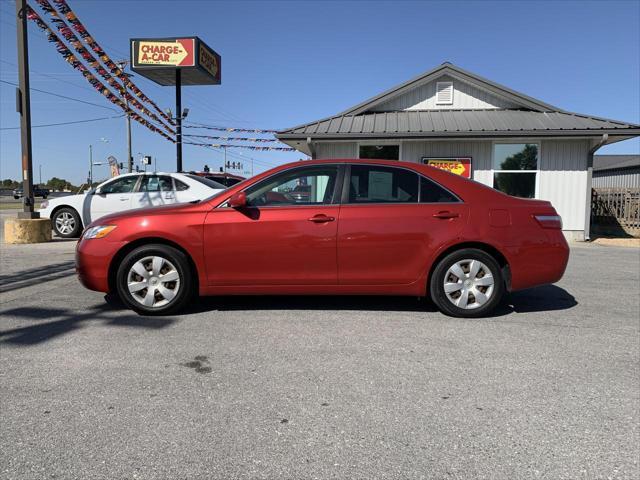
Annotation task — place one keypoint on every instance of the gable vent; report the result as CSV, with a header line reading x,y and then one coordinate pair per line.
x,y
444,93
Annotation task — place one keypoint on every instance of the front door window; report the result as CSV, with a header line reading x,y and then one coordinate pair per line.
x,y
303,186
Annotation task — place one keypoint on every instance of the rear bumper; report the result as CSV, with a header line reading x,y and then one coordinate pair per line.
x,y
93,258
541,263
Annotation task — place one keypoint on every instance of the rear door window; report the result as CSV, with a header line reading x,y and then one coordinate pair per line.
x,y
155,183
431,192
381,184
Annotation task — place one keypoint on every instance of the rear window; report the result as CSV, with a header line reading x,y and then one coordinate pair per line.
x,y
207,181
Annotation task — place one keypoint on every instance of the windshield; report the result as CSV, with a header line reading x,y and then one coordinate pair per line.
x,y
207,181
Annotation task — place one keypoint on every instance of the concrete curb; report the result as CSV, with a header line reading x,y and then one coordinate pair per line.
x,y
19,230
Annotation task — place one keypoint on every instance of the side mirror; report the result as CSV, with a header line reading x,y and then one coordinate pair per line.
x,y
238,200
95,191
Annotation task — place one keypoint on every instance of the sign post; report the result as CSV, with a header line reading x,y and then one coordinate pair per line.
x,y
176,61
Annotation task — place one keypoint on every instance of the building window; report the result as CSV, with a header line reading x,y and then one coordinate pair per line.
x,y
515,166
380,152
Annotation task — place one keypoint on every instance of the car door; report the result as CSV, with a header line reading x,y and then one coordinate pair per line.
x,y
279,238
114,196
152,191
385,234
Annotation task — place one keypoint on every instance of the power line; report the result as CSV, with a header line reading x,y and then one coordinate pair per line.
x,y
62,96
53,76
65,123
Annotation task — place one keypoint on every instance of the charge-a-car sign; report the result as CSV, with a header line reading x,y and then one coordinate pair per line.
x,y
458,165
178,53
159,59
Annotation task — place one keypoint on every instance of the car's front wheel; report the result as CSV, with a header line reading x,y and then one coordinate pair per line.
x,y
155,280
66,223
467,283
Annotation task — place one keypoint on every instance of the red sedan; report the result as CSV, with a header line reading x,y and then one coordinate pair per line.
x,y
370,227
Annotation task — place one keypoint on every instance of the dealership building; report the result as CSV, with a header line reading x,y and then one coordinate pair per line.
x,y
454,119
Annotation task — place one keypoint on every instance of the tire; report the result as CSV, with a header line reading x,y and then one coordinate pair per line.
x,y
16,197
44,197
134,284
467,295
66,223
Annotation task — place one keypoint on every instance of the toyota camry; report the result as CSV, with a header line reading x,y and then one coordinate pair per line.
x,y
362,227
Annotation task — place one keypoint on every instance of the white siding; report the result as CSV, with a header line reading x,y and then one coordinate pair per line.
x,y
478,150
563,179
562,176
629,178
336,150
465,96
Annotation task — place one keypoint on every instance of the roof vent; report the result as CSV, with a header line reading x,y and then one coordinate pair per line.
x,y
444,93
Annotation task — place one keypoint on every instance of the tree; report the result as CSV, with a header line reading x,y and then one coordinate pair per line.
x,y
59,184
8,183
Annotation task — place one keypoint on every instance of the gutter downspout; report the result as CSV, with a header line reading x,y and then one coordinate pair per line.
x,y
312,148
592,151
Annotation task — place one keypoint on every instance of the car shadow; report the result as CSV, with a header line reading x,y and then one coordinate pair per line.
x,y
539,299
50,323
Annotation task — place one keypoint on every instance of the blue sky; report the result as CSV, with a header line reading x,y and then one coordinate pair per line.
x,y
286,63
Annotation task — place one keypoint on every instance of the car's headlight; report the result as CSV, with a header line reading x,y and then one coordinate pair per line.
x,y
99,231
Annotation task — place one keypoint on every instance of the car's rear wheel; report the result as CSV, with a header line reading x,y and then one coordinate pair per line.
x,y
155,280
66,223
467,283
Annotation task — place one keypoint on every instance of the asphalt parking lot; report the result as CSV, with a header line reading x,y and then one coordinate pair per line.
x,y
308,387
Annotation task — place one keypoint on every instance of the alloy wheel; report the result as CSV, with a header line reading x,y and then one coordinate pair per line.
x,y
65,223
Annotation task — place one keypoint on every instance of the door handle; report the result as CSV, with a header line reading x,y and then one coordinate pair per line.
x,y
321,218
123,199
446,215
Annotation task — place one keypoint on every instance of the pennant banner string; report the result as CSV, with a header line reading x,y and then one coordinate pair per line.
x,y
95,83
77,25
235,139
249,147
225,129
68,34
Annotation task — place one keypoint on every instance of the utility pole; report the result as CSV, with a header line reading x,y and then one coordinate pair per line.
x,y
90,166
23,104
178,120
122,64
40,172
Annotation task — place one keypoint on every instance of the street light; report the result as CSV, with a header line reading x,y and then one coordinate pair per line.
x,y
123,64
91,164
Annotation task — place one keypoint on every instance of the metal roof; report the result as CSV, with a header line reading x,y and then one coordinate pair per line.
x,y
458,123
610,162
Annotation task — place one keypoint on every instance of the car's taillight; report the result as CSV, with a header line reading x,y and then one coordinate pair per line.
x,y
549,221
44,204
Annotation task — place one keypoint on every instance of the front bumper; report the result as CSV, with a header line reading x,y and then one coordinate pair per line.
x,y
93,259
